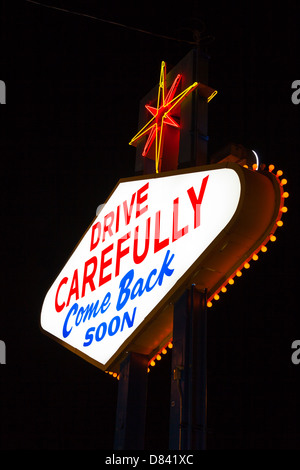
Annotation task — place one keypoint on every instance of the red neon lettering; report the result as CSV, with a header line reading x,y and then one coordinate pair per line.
x,y
140,199
95,241
107,226
127,213
74,290
159,245
117,219
58,307
121,253
177,233
88,278
104,264
196,202
140,258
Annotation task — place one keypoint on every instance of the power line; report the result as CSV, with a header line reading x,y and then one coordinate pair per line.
x,y
131,28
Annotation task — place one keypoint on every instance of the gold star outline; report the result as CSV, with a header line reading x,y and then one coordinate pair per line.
x,y
166,103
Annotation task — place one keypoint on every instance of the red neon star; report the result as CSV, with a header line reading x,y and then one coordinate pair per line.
x,y
161,115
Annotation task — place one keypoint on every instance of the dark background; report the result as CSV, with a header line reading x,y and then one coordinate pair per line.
x,y
73,88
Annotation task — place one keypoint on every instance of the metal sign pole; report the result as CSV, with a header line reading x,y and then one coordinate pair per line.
x,y
188,411
131,405
198,375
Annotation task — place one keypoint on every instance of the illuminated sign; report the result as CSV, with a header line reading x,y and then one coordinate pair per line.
x,y
154,237
162,114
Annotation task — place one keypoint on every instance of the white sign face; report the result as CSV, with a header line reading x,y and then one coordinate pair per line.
x,y
148,234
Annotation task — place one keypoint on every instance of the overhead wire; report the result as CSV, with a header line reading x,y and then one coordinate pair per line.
x,y
115,23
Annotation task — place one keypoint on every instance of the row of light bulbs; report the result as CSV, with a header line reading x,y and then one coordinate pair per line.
x,y
263,248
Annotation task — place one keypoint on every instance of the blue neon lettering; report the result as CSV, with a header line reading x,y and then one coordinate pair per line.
x,y
141,286
148,288
165,271
89,336
86,313
129,320
112,330
137,289
79,316
72,311
124,291
106,303
99,337
90,310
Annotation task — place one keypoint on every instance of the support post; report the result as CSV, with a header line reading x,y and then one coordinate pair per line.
x,y
177,392
188,411
198,375
131,405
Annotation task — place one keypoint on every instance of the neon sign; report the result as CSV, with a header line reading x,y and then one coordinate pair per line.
x,y
155,236
167,102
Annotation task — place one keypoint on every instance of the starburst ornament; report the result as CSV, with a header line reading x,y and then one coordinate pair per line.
x,y
162,115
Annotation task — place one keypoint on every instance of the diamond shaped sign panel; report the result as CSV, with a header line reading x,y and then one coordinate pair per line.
x,y
155,235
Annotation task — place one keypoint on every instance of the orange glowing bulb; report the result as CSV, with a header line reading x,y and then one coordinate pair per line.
x,y
255,257
164,351
246,265
272,238
224,289
283,182
216,296
284,209
279,173
285,194
158,357
279,223
239,273
231,281
271,167
152,363
264,248
170,345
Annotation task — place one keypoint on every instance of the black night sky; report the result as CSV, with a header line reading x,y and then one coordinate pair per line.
x,y
73,86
